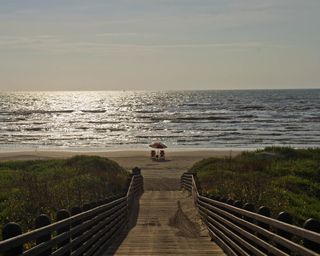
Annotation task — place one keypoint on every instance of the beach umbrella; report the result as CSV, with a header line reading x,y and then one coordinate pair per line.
x,y
157,145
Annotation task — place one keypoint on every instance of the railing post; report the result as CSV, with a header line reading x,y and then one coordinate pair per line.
x,y
230,202
11,230
61,215
194,189
248,207
75,211
127,209
215,197
237,204
287,218
93,205
42,221
136,171
194,195
142,184
86,207
313,225
265,211
223,200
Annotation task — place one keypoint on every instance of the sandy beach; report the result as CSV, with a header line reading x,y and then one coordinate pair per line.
x,y
175,159
169,171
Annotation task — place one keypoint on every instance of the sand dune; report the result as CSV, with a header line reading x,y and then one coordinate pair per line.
x,y
177,161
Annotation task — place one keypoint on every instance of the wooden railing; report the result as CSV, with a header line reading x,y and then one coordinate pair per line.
x,y
86,233
238,230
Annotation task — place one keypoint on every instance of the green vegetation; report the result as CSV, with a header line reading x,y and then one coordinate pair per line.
x,y
29,188
280,178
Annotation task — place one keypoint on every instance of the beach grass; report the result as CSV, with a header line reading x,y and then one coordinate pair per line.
x,y
281,178
30,188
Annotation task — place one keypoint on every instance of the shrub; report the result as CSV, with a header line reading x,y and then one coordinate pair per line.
x,y
29,188
280,178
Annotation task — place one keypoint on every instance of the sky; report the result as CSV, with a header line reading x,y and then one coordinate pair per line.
x,y
159,44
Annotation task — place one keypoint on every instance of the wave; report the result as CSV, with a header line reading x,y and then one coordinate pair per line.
x,y
158,136
267,121
82,128
177,131
213,118
251,107
248,116
294,128
13,119
34,129
31,112
104,122
312,119
94,111
148,111
110,129
194,104
270,134
10,129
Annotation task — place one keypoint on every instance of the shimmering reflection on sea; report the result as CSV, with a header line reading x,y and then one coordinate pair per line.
x,y
205,119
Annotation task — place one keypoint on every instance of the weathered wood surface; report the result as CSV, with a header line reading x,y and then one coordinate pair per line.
x,y
167,223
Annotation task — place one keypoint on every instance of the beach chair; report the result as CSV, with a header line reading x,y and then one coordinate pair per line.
x,y
162,155
153,154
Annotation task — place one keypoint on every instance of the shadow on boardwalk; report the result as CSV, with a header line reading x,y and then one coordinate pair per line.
x,y
133,218
186,227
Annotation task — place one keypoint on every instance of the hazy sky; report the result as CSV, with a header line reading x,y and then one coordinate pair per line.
x,y
159,44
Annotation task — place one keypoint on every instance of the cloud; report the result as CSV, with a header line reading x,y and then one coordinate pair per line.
x,y
53,45
115,34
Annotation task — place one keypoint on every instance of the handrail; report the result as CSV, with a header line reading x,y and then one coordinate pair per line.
x,y
218,213
237,229
81,232
34,234
310,235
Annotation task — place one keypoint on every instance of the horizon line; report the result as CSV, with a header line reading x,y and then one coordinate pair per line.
x,y
168,90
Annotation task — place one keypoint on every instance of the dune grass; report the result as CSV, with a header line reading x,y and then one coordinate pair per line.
x,y
30,188
281,178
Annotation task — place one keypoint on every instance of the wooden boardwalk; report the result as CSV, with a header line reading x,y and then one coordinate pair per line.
x,y
166,224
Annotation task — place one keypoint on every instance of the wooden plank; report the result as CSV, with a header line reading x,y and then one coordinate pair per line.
x,y
153,235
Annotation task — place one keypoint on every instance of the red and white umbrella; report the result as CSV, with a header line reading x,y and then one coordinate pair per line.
x,y
158,145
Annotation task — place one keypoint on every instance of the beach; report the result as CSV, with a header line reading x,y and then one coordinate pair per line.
x,y
176,160
159,175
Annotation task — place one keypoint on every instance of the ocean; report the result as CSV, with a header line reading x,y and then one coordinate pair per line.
x,y
181,119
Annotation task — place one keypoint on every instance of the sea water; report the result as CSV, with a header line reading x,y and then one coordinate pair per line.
x,y
181,119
